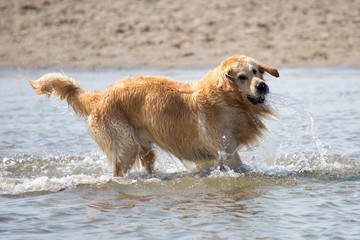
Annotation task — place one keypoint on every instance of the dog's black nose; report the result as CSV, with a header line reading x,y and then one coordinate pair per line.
x,y
262,88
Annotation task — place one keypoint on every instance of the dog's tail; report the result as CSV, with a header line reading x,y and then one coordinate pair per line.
x,y
57,84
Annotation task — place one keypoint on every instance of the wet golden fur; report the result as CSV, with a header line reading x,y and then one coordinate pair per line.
x,y
204,122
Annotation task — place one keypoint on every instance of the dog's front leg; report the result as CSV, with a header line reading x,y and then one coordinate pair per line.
x,y
234,162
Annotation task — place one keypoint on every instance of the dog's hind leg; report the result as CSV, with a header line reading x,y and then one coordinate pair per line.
x,y
122,159
116,138
147,158
121,152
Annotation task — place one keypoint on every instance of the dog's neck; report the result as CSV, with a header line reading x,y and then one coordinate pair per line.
x,y
223,103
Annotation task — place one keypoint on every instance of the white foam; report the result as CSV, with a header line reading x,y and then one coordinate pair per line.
x,y
13,186
228,173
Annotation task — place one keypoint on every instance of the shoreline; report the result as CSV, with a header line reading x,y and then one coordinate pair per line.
x,y
155,71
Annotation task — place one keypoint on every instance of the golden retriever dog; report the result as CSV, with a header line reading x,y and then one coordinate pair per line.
x,y
204,122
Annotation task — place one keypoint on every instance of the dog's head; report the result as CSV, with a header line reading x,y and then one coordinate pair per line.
x,y
244,76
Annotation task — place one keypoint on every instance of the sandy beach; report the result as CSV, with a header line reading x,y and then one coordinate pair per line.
x,y
177,34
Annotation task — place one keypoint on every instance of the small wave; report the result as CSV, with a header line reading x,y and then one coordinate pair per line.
x,y
29,166
321,167
15,186
44,184
24,174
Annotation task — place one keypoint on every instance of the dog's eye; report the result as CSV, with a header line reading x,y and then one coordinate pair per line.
x,y
254,71
242,77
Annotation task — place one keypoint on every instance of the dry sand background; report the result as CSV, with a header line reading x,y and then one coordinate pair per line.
x,y
177,34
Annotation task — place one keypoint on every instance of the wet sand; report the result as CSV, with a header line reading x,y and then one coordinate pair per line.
x,y
172,34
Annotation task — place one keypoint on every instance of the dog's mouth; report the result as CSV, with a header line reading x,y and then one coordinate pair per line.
x,y
256,100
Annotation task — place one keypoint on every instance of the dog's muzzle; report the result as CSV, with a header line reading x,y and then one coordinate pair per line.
x,y
262,89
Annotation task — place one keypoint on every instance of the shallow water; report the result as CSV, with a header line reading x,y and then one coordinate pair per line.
x,y
304,179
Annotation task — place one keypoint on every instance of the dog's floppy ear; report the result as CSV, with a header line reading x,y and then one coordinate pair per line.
x,y
226,82
271,70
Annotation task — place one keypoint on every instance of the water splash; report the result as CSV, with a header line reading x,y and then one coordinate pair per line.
x,y
310,151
